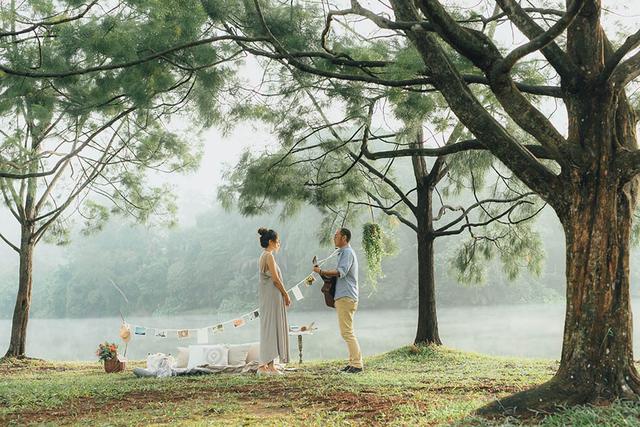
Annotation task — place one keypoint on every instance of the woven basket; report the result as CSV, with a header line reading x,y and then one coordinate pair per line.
x,y
114,365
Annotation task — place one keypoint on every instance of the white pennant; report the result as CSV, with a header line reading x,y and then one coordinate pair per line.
x,y
203,336
297,293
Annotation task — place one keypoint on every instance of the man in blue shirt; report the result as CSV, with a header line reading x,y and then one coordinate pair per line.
x,y
346,297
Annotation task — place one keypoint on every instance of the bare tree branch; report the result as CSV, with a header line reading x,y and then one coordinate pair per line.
x,y
466,145
612,62
11,245
387,181
444,230
560,61
393,212
543,39
626,71
468,225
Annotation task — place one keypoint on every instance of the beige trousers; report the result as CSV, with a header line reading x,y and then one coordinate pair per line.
x,y
346,308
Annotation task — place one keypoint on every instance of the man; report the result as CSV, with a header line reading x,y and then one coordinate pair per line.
x,y
346,297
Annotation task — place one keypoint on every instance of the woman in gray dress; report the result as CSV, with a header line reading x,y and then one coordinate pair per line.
x,y
274,328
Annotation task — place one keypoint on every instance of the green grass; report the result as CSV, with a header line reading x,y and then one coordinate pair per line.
x,y
408,386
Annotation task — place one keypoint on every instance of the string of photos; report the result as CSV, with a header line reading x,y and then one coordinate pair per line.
x,y
127,330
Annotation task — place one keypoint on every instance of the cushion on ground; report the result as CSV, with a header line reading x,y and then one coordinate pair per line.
x,y
254,352
217,355
239,353
182,360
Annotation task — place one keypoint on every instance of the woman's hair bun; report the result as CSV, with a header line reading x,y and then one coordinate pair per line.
x,y
266,235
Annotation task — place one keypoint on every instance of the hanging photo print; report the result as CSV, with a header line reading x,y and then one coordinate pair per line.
x,y
309,280
203,336
297,293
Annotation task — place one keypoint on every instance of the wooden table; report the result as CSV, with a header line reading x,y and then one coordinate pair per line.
x,y
300,334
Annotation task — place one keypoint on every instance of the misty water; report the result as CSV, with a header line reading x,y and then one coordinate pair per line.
x,y
515,330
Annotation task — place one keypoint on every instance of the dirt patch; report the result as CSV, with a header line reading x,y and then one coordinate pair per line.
x,y
79,408
367,406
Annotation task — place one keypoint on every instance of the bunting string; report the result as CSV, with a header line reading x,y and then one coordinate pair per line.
x,y
202,333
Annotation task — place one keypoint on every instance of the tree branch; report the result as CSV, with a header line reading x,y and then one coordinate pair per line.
x,y
11,245
558,59
292,58
626,71
69,155
393,212
474,115
108,67
612,62
444,231
543,39
50,22
478,48
479,204
466,145
387,181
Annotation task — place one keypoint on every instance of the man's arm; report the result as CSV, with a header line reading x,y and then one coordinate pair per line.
x,y
344,265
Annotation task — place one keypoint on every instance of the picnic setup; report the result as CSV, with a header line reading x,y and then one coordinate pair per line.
x,y
202,357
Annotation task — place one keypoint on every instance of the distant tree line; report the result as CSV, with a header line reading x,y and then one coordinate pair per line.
x,y
211,267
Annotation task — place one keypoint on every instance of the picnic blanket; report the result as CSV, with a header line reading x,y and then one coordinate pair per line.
x,y
161,372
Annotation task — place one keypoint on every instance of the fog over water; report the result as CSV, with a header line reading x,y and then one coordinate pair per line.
x,y
533,330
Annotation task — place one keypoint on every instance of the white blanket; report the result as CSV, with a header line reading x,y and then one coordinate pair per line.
x,y
250,367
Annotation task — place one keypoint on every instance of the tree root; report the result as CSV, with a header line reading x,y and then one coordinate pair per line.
x,y
557,394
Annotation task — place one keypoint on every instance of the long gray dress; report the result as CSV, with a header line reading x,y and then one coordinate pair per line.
x,y
274,328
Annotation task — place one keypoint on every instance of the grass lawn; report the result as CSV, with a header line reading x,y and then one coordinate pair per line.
x,y
406,387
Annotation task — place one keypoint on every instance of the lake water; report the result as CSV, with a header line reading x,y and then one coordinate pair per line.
x,y
517,330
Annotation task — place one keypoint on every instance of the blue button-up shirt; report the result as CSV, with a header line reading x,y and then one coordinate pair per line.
x,y
347,283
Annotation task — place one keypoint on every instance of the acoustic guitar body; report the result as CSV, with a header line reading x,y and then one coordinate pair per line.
x,y
329,290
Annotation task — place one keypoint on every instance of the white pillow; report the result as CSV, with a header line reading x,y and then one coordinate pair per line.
x,y
254,352
238,354
182,360
208,355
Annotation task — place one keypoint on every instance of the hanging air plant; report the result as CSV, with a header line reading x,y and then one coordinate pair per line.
x,y
373,247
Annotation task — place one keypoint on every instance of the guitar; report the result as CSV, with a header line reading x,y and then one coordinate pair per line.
x,y
328,288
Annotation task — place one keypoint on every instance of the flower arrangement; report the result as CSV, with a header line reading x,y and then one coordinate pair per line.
x,y
107,351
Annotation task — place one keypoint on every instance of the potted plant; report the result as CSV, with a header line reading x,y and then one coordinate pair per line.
x,y
108,352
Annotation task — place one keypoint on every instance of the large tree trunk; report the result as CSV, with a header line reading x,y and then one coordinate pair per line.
x,y
597,344
18,341
596,213
427,332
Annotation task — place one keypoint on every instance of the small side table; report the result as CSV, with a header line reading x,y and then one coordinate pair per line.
x,y
299,334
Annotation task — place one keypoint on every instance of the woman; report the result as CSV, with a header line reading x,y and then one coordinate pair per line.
x,y
274,328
